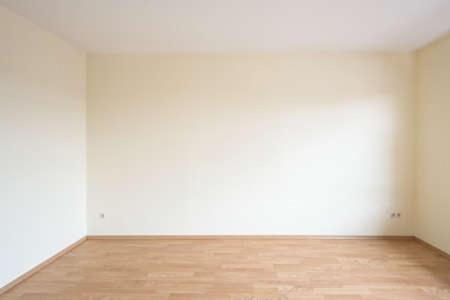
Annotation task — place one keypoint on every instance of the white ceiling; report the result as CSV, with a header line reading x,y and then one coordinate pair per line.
x,y
239,25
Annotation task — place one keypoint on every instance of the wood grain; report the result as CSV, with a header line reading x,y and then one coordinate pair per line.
x,y
242,269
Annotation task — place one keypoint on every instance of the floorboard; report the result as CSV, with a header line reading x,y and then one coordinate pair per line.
x,y
242,269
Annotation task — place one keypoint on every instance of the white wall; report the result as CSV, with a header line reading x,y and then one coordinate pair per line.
x,y
433,91
250,144
42,151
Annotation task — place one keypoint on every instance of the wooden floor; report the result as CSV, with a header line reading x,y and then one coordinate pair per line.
x,y
242,269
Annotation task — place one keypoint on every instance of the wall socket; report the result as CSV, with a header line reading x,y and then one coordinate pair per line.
x,y
101,215
396,215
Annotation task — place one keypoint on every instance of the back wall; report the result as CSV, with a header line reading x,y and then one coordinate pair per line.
x,y
250,144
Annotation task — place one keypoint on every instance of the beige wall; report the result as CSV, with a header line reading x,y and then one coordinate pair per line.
x,y
217,144
42,152
433,91
250,144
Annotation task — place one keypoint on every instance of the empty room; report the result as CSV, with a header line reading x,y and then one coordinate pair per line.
x,y
225,149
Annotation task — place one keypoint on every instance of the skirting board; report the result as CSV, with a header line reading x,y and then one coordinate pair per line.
x,y
436,249
36,269
239,237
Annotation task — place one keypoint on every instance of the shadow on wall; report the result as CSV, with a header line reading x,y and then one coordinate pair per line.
x,y
248,154
316,164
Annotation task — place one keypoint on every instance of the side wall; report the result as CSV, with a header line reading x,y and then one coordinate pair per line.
x,y
250,144
433,91
42,153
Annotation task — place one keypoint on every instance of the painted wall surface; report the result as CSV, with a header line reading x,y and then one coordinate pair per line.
x,y
250,144
42,152
433,198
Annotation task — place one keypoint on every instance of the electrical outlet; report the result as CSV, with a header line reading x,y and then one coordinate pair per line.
x,y
101,215
395,215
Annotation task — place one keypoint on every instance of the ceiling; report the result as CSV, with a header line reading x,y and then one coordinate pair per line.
x,y
240,25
